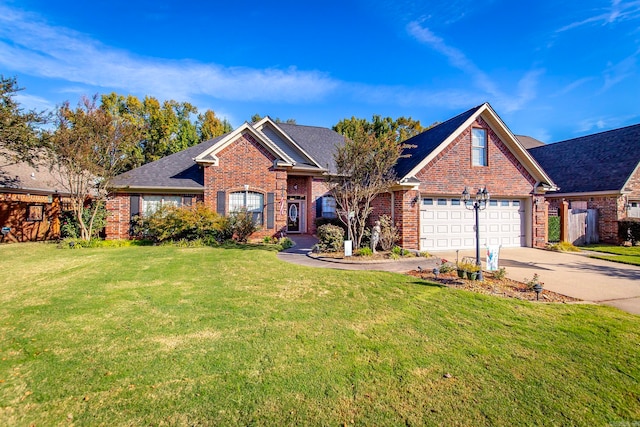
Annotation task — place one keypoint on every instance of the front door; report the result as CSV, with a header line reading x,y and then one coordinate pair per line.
x,y
293,217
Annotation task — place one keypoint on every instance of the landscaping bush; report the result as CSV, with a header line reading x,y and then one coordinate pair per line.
x,y
331,238
389,234
333,221
241,225
70,228
366,251
171,223
629,230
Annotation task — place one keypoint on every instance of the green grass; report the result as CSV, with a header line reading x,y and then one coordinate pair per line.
x,y
211,336
622,254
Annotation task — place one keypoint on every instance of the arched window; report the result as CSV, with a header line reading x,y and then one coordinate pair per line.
x,y
251,201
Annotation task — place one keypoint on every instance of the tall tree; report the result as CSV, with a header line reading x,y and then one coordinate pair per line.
x,y
401,128
257,117
19,130
87,149
209,126
364,169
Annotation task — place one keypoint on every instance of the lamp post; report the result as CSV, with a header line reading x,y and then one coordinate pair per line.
x,y
480,203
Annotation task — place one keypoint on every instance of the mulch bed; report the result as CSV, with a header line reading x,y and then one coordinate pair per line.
x,y
491,286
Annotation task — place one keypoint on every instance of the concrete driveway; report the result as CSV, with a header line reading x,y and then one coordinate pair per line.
x,y
570,274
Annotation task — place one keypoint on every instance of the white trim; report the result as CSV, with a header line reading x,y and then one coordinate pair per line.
x,y
231,137
635,170
267,120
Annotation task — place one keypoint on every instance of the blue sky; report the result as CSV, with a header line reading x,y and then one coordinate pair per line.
x,y
552,70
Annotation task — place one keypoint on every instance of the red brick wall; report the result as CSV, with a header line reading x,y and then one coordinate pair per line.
x,y
407,217
319,188
246,162
118,216
540,221
634,185
451,170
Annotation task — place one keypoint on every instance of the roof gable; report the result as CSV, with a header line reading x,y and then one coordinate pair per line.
x,y
210,155
425,147
594,163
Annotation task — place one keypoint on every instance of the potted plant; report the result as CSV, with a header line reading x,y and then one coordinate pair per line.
x,y
470,270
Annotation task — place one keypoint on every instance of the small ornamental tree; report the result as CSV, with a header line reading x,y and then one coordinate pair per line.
x,y
87,149
364,169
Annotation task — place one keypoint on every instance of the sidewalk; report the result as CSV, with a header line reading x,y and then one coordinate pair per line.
x,y
574,275
299,254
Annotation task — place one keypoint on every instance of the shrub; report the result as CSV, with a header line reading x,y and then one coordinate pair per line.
x,y
500,274
629,230
242,225
173,223
563,247
286,243
397,250
70,228
331,238
333,221
366,251
447,267
389,234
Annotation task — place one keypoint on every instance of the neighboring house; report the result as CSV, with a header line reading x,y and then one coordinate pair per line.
x,y
278,172
31,199
529,142
599,171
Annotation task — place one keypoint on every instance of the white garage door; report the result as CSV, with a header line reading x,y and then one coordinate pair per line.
x,y
446,224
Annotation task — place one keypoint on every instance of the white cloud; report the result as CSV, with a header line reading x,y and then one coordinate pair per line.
x,y
526,88
618,11
31,46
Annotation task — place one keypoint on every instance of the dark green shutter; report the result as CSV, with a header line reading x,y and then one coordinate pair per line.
x,y
271,201
319,207
134,205
220,202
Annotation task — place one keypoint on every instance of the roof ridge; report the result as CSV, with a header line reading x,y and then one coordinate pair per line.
x,y
595,134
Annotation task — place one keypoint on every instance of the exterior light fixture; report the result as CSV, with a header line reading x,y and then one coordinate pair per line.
x,y
480,203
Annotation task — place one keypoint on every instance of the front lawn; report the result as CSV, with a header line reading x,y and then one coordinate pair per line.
x,y
625,255
206,336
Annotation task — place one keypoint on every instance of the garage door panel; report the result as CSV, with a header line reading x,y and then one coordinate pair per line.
x,y
446,225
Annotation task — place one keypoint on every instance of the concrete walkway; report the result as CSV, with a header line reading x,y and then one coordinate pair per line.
x,y
299,254
574,275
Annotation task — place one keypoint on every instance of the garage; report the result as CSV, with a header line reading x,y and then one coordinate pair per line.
x,y
445,224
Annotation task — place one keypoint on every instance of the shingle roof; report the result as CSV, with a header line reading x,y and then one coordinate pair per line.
x,y
319,143
598,162
177,170
36,178
420,146
529,142
180,171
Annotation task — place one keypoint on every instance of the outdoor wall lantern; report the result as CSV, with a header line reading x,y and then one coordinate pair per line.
x,y
480,203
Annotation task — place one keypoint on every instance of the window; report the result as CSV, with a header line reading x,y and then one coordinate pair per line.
x,y
493,203
504,203
427,202
442,202
150,204
478,147
35,213
251,201
455,202
329,207
516,203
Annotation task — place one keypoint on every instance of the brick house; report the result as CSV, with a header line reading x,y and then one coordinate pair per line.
x,y
31,199
278,172
599,171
